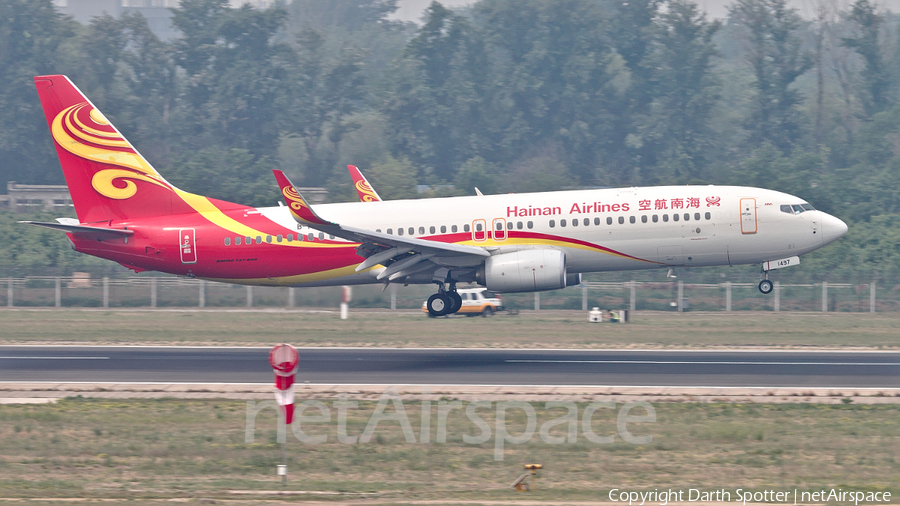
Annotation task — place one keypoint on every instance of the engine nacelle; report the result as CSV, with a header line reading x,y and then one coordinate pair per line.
x,y
529,270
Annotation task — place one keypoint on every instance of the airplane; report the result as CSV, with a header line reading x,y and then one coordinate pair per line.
x,y
127,212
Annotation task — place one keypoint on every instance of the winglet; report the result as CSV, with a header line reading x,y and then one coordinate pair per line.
x,y
363,188
300,209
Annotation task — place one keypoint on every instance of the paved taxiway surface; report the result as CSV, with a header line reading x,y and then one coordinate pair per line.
x,y
455,366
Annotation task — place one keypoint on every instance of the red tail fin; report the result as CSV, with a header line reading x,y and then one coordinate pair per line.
x,y
108,179
363,188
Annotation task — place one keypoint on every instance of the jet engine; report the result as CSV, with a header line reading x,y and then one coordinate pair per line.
x,y
529,270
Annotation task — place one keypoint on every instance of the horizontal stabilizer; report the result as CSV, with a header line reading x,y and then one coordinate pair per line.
x,y
109,233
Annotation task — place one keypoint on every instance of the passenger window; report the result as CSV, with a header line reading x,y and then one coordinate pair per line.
x,y
687,216
310,237
378,230
708,216
269,239
562,223
498,225
248,241
279,238
412,231
631,219
596,221
609,220
655,218
674,217
453,228
697,216
390,231
400,231
621,220
665,218
421,231
478,227
465,227
530,225
331,237
290,237
443,229
321,236
552,223
587,221
644,219
519,225
431,230
228,241
237,241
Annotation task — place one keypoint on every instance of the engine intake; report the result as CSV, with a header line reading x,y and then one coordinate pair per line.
x,y
530,270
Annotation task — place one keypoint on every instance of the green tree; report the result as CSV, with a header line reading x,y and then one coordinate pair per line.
x,y
685,91
477,173
865,41
393,178
773,48
321,94
31,35
234,175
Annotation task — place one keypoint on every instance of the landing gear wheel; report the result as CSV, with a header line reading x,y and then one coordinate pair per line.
x,y
766,286
438,304
488,312
455,302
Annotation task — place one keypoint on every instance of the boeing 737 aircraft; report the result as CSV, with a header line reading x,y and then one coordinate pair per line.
x,y
128,213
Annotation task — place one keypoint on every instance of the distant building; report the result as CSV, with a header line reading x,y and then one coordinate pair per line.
x,y
157,12
26,198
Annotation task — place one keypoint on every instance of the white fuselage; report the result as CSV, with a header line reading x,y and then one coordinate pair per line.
x,y
604,229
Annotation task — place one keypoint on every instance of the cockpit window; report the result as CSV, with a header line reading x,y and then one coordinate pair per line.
x,y
796,208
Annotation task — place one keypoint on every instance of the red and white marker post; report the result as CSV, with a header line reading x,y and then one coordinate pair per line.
x,y
346,295
285,361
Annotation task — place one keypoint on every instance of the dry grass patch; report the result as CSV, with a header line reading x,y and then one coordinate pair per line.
x,y
145,449
544,329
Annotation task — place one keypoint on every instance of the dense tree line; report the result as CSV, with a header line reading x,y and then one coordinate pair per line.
x,y
507,95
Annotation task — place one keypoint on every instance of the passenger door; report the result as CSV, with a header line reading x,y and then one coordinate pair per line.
x,y
748,216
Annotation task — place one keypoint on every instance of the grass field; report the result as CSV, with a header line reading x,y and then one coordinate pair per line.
x,y
530,329
145,449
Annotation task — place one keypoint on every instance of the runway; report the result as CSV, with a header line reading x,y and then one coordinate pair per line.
x,y
456,366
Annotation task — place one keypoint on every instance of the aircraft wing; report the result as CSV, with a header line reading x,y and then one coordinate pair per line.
x,y
403,256
363,188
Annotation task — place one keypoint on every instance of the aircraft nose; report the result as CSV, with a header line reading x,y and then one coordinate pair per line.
x,y
833,228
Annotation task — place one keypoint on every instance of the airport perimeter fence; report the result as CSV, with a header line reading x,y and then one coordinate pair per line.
x,y
173,292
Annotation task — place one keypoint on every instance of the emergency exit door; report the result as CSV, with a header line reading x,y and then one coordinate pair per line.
x,y
748,216
188,246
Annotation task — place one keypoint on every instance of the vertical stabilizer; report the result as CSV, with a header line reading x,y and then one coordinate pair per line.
x,y
107,178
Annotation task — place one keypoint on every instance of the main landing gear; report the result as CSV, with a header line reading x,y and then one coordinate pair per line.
x,y
444,302
766,286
